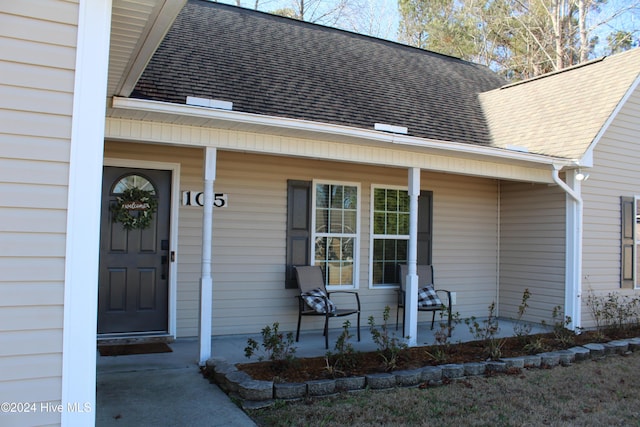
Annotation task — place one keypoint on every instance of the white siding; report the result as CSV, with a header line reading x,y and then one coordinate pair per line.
x,y
532,249
616,173
249,236
37,60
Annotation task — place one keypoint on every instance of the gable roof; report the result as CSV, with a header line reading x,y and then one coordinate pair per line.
x,y
561,114
280,67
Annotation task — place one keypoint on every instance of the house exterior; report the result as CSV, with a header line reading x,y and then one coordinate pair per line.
x,y
269,143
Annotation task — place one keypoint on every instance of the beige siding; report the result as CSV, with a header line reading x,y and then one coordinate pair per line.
x,y
615,174
532,249
37,59
249,236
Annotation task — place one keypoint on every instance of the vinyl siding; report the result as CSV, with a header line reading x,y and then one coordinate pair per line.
x,y
249,236
37,60
532,249
615,173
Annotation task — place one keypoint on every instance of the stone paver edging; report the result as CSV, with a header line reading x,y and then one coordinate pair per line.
x,y
256,394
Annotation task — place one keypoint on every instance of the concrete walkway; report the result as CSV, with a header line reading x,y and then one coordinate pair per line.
x,y
165,389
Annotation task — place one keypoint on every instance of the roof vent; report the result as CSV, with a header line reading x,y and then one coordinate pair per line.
x,y
390,128
518,148
210,103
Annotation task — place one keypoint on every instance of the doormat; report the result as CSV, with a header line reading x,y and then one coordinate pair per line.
x,y
128,349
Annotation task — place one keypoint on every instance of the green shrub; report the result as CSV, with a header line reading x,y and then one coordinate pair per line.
x,y
390,347
276,346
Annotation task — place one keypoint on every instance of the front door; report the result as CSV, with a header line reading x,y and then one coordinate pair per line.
x,y
133,287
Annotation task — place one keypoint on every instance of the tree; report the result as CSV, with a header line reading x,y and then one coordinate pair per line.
x,y
519,38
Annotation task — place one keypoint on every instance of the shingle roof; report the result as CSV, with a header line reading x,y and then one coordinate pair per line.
x,y
560,114
281,67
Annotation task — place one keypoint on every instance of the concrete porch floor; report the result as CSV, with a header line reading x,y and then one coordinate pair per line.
x,y
231,347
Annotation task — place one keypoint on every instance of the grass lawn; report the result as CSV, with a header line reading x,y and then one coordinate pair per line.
x,y
603,392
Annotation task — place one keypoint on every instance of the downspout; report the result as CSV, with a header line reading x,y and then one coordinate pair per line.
x,y
573,240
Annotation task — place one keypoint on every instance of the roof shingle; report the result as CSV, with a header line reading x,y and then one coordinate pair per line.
x,y
276,66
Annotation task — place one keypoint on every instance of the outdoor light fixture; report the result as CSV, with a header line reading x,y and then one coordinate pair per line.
x,y
581,176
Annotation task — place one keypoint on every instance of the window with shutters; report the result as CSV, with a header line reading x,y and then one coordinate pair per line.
x,y
336,209
389,234
630,242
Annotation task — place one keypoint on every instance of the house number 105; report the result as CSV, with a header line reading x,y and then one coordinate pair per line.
x,y
196,198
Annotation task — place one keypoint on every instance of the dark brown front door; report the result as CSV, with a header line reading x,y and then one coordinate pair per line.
x,y
133,288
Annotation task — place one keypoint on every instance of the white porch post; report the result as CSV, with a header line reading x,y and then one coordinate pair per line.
x,y
206,282
573,239
573,286
411,302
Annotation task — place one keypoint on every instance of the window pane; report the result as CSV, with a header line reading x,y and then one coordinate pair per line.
x,y
378,250
392,223
402,249
392,200
335,221
378,223
403,201
322,196
322,219
378,270
133,181
351,198
336,196
350,222
379,199
321,249
403,223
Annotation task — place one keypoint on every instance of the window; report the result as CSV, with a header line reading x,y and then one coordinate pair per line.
x,y
389,235
335,231
128,182
630,242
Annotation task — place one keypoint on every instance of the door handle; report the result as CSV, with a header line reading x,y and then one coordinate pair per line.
x,y
173,256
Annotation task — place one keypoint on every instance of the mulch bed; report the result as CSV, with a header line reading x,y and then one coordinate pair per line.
x,y
313,368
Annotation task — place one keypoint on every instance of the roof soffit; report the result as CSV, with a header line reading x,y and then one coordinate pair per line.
x,y
137,28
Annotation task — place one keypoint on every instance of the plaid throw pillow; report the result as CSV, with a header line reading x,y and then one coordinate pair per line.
x,y
316,300
427,297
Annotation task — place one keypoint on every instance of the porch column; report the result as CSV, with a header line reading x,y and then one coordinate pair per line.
x,y
573,286
206,282
573,243
411,302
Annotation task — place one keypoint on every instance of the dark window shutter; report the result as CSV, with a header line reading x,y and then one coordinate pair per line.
x,y
298,228
425,213
627,215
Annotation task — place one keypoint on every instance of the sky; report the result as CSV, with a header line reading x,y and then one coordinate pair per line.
x,y
380,18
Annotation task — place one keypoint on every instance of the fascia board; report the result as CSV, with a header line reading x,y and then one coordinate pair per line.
x,y
332,129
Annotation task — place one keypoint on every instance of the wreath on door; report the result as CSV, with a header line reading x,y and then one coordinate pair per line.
x,y
134,209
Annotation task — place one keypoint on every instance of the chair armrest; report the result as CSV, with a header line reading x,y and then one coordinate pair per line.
x,y
401,296
347,292
448,293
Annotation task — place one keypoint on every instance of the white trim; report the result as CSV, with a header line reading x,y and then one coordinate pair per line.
x,y
456,148
356,235
411,284
206,279
587,158
83,212
573,242
174,168
636,242
371,234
